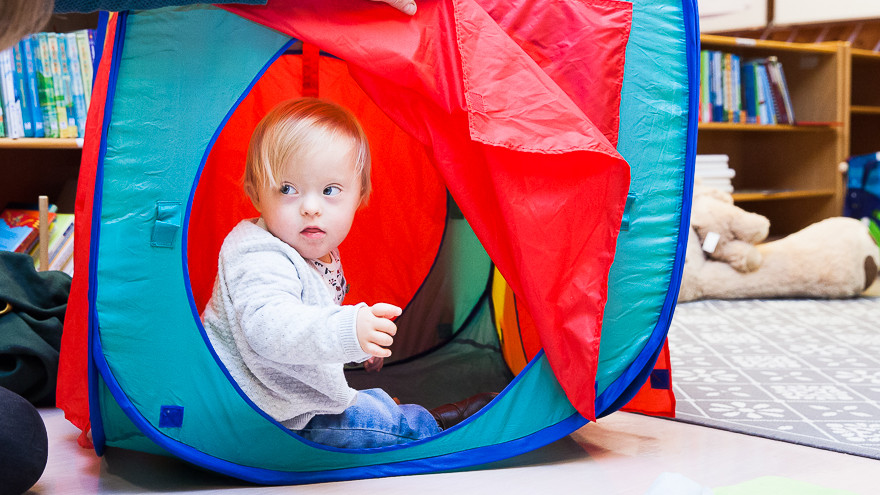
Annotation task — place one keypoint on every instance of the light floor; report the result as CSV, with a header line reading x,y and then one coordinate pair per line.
x,y
622,454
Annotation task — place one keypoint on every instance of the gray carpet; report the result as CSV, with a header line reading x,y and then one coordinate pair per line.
x,y
801,371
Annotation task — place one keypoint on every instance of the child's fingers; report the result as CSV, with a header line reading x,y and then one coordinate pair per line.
x,y
385,326
375,350
381,338
385,310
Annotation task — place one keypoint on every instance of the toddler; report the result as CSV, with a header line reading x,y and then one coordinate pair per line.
x,y
275,317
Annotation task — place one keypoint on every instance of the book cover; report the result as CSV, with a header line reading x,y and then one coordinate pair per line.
x,y
64,255
19,79
786,95
69,92
20,229
705,106
62,97
735,70
2,124
768,112
79,100
11,102
85,62
26,45
776,91
778,78
717,89
726,85
62,229
46,85
749,96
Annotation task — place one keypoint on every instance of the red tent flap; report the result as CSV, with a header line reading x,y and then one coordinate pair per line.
x,y
540,183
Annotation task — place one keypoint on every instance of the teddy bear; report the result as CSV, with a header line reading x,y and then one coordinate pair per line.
x,y
834,258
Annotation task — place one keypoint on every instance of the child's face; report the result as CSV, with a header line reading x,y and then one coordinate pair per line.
x,y
314,205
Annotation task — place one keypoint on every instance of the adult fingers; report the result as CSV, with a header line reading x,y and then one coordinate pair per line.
x,y
405,6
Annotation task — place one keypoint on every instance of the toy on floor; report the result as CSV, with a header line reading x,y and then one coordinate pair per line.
x,y
834,258
24,444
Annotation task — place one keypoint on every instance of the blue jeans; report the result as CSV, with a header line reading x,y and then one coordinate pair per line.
x,y
375,420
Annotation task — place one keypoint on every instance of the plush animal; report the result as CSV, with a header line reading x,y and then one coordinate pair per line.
x,y
727,232
834,258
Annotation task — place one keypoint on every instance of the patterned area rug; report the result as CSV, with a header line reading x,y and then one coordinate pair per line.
x,y
801,371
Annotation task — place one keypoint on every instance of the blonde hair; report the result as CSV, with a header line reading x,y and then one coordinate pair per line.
x,y
19,18
290,131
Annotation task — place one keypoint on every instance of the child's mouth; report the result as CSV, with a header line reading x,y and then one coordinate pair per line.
x,y
312,232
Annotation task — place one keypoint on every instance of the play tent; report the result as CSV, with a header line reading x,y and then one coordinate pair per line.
x,y
531,169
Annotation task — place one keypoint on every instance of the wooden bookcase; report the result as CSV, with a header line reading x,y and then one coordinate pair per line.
x,y
865,102
31,167
38,166
789,173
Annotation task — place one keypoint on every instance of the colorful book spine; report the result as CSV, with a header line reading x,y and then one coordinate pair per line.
x,y
2,123
19,79
705,106
11,98
58,83
76,85
46,85
85,62
717,88
769,110
32,96
749,97
67,77
736,90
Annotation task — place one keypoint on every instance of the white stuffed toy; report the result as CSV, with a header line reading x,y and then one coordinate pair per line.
x,y
834,258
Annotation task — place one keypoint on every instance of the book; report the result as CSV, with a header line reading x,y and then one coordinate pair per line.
x,y
19,80
32,95
2,124
705,106
46,85
779,90
62,229
11,98
64,255
76,83
20,229
717,90
61,95
749,95
69,93
86,63
767,110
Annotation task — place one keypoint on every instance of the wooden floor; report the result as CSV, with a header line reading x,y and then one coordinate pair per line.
x,y
622,454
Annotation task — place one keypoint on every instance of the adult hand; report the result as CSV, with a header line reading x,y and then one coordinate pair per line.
x,y
375,330
406,6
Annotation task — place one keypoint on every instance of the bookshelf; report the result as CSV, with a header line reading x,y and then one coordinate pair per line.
x,y
865,102
31,167
789,173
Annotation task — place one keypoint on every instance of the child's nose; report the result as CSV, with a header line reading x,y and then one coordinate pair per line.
x,y
311,205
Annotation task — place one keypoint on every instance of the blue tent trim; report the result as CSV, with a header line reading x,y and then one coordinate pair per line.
x,y
627,385
98,438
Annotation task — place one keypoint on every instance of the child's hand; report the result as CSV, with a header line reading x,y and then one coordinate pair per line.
x,y
375,330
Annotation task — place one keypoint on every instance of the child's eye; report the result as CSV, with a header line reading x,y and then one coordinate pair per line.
x,y
332,190
288,189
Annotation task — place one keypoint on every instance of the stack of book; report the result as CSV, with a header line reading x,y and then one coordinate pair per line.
x,y
20,233
736,90
714,171
46,85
